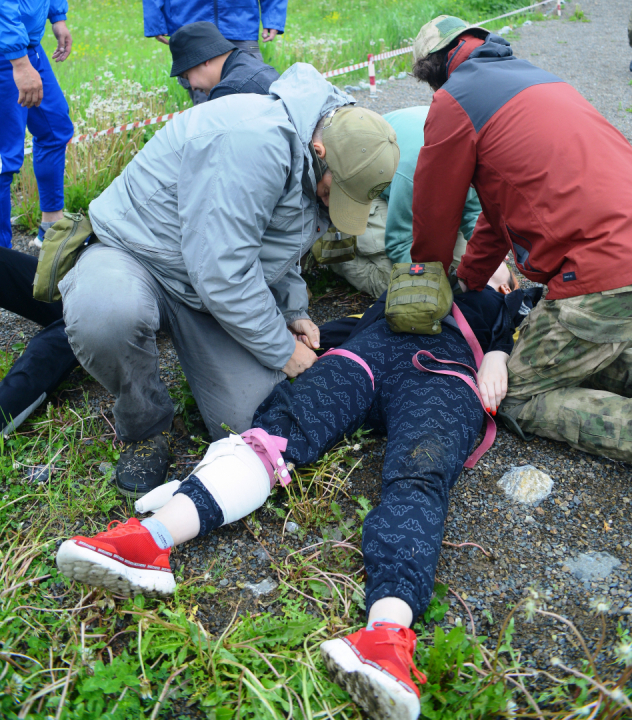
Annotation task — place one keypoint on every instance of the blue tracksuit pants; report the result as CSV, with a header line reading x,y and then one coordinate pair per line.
x,y
431,422
51,128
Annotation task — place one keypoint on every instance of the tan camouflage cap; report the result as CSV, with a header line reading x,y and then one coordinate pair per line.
x,y
362,154
438,33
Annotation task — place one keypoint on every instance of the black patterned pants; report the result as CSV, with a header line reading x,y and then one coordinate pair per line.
x,y
431,422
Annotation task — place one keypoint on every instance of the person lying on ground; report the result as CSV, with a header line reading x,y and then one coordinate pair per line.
x,y
553,178
389,234
48,358
431,420
210,67
201,236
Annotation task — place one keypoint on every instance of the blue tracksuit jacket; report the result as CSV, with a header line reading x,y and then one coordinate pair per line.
x,y
236,19
22,23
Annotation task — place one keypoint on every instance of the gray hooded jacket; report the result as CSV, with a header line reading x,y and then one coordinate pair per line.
x,y
215,208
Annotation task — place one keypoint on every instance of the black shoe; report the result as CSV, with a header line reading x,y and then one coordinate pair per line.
x,y
143,465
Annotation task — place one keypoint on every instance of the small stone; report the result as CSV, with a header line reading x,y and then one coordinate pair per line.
x,y
364,85
528,22
593,565
105,468
526,484
39,474
262,588
223,582
504,30
402,76
352,88
292,527
261,555
529,519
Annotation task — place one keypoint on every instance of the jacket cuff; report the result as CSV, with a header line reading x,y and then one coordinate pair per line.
x,y
293,317
56,18
16,54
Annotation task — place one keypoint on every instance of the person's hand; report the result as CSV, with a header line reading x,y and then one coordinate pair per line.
x,y
492,379
306,332
28,82
64,41
268,34
302,358
163,39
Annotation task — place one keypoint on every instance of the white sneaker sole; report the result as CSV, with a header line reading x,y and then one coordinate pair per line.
x,y
92,568
381,697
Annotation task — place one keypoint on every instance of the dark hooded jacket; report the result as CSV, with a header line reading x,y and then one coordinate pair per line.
x,y
552,174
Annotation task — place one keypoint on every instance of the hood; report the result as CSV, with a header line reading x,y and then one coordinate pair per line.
x,y
472,47
307,96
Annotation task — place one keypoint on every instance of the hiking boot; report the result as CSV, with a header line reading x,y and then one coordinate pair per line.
x,y
143,465
124,560
374,666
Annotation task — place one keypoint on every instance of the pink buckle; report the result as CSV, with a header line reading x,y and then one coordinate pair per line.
x,y
269,449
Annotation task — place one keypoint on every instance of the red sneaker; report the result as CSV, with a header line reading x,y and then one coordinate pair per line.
x,y
124,560
374,666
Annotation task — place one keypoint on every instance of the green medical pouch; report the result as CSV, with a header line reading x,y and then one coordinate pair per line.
x,y
63,242
419,297
334,247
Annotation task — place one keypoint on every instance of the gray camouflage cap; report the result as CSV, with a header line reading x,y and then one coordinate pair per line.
x,y
438,33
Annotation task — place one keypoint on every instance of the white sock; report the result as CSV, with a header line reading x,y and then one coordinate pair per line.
x,y
162,536
381,620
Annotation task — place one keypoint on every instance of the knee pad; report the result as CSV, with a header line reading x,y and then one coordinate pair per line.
x,y
235,476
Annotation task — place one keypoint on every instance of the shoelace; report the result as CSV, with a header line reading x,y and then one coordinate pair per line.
x,y
114,526
399,641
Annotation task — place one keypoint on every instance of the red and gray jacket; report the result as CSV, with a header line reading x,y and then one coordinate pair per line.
x,y
554,177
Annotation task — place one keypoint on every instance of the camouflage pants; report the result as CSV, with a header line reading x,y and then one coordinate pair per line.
x,y
570,373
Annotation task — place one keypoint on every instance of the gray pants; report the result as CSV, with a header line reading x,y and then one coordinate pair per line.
x,y
113,308
249,46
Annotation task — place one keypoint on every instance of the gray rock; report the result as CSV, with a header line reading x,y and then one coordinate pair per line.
x,y
504,30
223,582
261,555
39,474
528,22
526,484
402,76
364,85
105,468
262,588
352,88
292,527
593,565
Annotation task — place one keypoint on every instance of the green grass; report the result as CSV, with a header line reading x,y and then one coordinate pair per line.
x,y
115,75
73,654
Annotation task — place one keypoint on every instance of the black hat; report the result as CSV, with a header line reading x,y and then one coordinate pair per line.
x,y
194,44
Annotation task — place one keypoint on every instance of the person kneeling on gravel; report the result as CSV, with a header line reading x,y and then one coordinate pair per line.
x,y
389,233
210,67
432,422
553,178
201,236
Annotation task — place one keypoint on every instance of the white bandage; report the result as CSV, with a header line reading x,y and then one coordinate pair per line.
x,y
154,500
235,477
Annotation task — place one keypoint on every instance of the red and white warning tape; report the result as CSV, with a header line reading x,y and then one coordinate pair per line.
x,y
370,64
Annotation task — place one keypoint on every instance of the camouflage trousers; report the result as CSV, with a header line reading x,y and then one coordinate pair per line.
x,y
570,373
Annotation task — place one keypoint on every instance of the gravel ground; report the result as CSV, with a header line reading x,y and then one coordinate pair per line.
x,y
589,507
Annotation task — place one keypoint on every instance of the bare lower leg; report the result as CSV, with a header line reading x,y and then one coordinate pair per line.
x,y
392,608
52,216
180,517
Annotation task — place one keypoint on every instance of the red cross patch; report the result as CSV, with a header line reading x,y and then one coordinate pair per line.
x,y
417,269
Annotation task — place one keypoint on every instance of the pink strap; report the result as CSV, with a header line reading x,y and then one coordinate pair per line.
x,y
468,334
490,429
351,356
269,449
